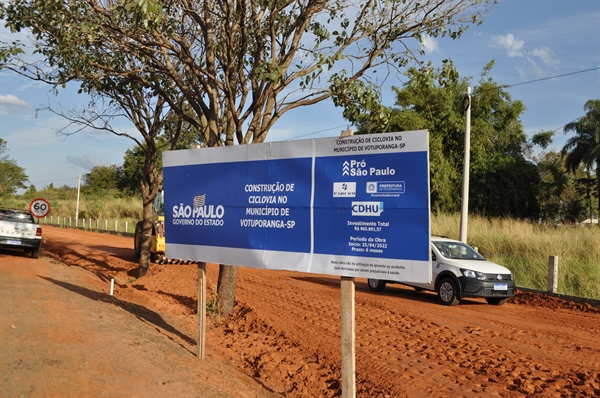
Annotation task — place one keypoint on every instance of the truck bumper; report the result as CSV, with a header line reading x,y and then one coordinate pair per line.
x,y
23,243
476,288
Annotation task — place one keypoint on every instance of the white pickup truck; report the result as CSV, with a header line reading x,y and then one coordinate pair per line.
x,y
459,271
19,230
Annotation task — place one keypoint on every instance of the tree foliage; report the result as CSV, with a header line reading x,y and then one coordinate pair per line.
x,y
503,182
12,176
102,179
239,66
561,195
584,147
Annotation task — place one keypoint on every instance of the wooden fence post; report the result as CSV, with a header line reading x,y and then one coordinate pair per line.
x,y
553,274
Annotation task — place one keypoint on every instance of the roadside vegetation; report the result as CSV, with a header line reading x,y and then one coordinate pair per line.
x,y
525,247
522,246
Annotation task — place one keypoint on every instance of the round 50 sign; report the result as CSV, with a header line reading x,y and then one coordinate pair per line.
x,y
39,207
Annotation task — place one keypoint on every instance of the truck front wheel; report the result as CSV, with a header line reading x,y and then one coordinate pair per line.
x,y
447,292
496,300
376,285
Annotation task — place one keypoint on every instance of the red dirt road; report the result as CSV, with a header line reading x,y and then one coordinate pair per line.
x,y
285,333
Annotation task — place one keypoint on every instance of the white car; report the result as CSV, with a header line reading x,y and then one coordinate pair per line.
x,y
18,230
458,271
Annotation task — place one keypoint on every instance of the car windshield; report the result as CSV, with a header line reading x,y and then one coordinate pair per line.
x,y
457,250
18,216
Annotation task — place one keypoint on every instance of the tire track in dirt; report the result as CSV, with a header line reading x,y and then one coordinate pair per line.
x,y
286,332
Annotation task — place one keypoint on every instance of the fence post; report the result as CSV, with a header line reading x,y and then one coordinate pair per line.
x,y
553,274
116,230
126,227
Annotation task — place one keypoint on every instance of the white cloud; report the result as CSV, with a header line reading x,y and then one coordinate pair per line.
x,y
547,56
536,68
10,104
513,47
429,44
86,161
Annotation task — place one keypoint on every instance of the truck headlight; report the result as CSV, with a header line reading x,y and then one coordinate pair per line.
x,y
473,274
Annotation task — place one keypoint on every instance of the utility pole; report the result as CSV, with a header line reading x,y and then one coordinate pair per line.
x,y
77,209
464,211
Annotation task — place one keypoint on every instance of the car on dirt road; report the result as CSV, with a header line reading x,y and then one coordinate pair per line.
x,y
19,230
459,271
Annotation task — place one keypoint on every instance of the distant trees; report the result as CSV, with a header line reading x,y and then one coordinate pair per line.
x,y
12,176
503,181
560,194
102,179
584,147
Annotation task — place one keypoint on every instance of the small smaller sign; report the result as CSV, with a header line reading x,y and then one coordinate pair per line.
x,y
39,207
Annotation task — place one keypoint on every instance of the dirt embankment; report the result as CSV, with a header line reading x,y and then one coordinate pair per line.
x,y
285,331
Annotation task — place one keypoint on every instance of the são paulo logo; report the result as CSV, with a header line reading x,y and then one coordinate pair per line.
x,y
199,213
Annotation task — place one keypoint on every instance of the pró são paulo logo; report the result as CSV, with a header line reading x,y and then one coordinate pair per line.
x,y
199,213
367,208
359,168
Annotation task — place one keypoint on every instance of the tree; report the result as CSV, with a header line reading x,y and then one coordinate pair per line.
x,y
503,182
12,176
102,179
584,146
238,66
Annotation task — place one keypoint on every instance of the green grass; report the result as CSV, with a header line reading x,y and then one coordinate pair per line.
x,y
63,212
525,248
89,208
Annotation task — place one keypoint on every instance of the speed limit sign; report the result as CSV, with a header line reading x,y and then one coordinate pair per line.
x,y
39,207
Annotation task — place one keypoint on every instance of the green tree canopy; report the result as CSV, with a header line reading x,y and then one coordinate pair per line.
x,y
584,147
503,182
101,179
12,176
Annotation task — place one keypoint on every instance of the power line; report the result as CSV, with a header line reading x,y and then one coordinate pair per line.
x,y
53,180
317,132
551,77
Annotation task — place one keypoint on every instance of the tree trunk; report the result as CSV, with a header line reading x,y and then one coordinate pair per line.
x,y
144,264
150,183
226,289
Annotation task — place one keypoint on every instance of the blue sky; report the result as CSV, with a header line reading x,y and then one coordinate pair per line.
x,y
528,39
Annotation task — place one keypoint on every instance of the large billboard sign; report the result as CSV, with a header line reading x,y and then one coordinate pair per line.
x,y
354,206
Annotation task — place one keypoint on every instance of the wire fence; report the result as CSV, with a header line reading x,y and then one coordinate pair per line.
x,y
120,227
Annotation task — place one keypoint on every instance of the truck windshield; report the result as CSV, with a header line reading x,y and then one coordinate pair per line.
x,y
457,250
16,216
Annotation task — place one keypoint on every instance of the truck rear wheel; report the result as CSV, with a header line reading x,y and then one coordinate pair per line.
x,y
35,253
